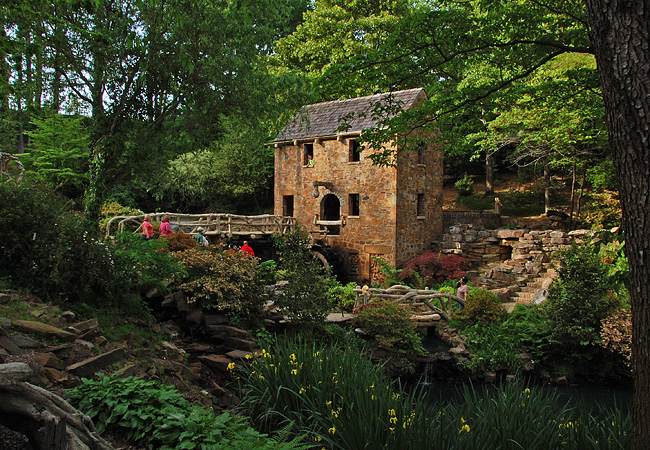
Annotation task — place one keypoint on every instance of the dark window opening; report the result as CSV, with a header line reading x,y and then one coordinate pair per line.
x,y
353,209
422,148
308,154
331,210
420,205
355,150
287,205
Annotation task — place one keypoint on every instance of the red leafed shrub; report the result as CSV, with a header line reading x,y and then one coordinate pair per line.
x,y
434,267
617,333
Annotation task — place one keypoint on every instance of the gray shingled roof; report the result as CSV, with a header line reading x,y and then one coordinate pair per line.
x,y
323,119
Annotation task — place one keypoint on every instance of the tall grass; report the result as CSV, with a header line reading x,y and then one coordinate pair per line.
x,y
345,402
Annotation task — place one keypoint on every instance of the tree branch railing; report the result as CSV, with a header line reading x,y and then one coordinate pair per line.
x,y
418,300
214,224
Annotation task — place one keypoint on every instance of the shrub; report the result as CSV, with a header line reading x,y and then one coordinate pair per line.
x,y
580,297
158,416
390,275
390,325
111,209
145,263
616,333
269,271
434,267
482,307
343,296
46,249
464,186
304,299
221,280
179,241
602,210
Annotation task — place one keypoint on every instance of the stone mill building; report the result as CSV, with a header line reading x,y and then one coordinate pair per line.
x,y
325,180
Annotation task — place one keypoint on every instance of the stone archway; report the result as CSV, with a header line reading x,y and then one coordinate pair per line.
x,y
330,208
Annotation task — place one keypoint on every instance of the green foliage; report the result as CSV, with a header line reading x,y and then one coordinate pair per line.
x,y
580,297
110,209
145,262
390,275
464,186
602,176
343,296
46,249
269,271
157,416
334,393
482,307
344,402
59,153
496,345
390,325
304,299
219,279
601,210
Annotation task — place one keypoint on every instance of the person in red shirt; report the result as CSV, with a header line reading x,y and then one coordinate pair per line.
x,y
247,249
165,228
147,228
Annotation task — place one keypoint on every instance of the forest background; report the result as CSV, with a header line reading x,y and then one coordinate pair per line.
x,y
167,105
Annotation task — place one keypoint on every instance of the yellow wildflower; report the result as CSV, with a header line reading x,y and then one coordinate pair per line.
x,y
332,431
231,366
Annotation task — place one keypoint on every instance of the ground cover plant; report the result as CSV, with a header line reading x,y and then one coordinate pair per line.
x,y
333,393
159,417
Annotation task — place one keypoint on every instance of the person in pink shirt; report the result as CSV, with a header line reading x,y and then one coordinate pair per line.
x,y
247,249
147,228
165,227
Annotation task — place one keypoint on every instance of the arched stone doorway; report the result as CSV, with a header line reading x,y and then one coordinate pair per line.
x,y
330,209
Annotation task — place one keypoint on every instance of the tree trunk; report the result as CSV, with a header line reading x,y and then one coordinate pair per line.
x,y
573,193
582,191
547,187
621,38
489,172
46,419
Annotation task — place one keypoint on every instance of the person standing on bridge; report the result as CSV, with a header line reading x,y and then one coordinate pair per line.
x,y
200,240
462,290
165,228
147,228
247,249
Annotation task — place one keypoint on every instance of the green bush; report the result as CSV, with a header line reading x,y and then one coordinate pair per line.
x,y
157,416
145,263
111,209
482,307
305,298
219,279
342,296
46,249
464,186
580,297
390,325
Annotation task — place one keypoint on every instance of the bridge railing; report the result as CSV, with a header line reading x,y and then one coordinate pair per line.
x,y
214,224
420,301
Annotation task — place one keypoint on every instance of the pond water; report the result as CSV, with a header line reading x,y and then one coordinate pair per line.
x,y
586,395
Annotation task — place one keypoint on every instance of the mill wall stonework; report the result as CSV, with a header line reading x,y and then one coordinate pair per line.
x,y
387,225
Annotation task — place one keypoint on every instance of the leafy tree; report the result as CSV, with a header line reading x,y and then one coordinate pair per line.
x,y
580,297
59,153
305,298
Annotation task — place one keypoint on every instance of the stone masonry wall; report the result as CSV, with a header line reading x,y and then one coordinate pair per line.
x,y
516,263
373,231
387,225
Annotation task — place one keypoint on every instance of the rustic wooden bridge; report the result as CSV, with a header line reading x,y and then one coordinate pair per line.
x,y
214,224
427,306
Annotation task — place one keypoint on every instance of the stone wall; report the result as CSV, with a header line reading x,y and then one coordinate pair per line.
x,y
387,225
515,263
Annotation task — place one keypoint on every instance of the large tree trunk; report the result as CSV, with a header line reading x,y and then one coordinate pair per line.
x,y
46,419
620,34
489,172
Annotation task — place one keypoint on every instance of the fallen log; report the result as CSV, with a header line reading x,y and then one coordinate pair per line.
x,y
48,421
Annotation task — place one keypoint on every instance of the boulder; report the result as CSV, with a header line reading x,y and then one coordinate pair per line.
x,y
43,329
17,371
90,366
